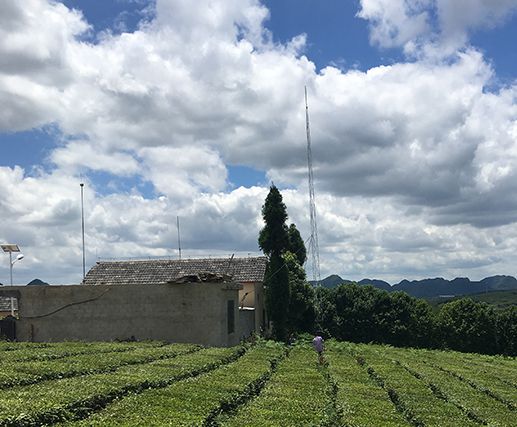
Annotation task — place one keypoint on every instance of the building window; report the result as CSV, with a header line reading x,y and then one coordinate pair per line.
x,y
231,316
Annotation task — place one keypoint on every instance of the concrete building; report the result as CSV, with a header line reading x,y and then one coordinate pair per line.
x,y
206,301
248,272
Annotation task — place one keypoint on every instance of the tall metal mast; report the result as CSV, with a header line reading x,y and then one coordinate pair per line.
x,y
314,251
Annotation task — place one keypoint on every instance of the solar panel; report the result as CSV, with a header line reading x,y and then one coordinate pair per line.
x,y
10,248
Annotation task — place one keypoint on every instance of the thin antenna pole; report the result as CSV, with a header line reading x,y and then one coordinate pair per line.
x,y
179,240
82,228
314,251
229,264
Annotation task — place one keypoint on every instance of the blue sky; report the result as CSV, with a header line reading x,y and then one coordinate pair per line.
x,y
163,109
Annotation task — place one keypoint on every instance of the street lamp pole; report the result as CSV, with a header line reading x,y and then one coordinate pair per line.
x,y
82,227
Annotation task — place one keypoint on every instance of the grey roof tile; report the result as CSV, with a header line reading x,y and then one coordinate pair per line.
x,y
148,272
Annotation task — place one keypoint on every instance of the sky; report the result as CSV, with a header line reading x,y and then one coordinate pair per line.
x,y
171,108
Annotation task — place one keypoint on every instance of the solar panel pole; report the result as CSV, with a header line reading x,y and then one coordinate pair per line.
x,y
11,273
12,248
11,266
18,258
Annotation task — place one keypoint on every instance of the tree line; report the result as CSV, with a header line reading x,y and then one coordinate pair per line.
x,y
365,314
360,313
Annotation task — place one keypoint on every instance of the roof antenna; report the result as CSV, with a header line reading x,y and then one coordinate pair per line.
x,y
229,264
179,240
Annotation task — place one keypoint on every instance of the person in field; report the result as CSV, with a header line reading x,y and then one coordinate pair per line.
x,y
318,344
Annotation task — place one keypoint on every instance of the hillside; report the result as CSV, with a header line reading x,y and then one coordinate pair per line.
x,y
381,284
37,282
499,299
135,384
331,281
429,288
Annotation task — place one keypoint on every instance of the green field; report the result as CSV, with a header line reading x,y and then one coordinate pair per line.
x,y
267,384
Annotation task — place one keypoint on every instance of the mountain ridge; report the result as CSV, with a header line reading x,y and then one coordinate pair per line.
x,y
432,287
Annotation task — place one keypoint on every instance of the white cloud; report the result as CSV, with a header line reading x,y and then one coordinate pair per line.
x,y
423,133
359,236
36,38
413,161
394,23
431,28
78,155
460,16
183,172
222,20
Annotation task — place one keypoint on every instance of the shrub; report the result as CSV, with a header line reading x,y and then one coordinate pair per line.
x,y
468,325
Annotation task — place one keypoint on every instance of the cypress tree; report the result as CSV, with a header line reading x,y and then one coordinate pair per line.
x,y
296,245
278,296
301,296
274,240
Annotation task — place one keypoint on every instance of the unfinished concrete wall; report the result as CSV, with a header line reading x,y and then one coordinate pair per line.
x,y
260,306
247,322
189,312
247,295
252,296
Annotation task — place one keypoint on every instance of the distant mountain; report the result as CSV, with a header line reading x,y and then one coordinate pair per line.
x,y
334,280
502,283
428,288
381,284
331,281
37,282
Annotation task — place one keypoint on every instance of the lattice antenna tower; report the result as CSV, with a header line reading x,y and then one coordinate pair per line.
x,y
314,250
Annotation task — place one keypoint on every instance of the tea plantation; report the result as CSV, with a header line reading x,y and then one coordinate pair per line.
x,y
265,384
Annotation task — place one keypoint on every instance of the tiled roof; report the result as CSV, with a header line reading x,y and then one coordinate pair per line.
x,y
251,269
